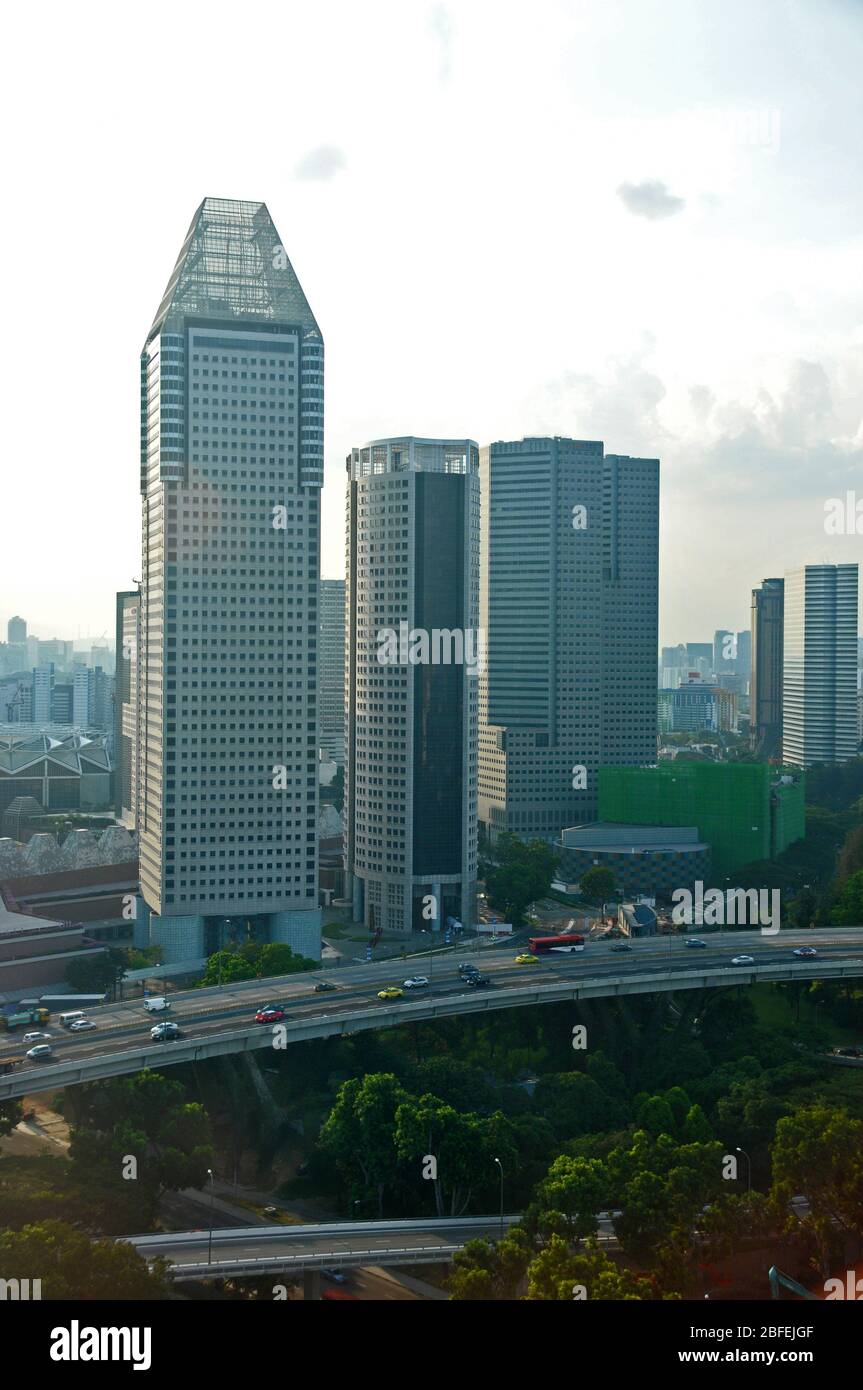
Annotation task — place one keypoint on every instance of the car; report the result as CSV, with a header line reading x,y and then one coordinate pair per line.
x,y
527,959
621,946
270,1015
477,981
161,1032
390,992
807,952
693,941
323,986
81,1025
416,982
467,969
39,1051
34,1037
848,1051
335,1275
742,960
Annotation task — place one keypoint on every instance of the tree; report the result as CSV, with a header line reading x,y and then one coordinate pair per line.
x,y
482,1271
848,911
359,1131
574,1104
598,884
576,1190
464,1147
818,1154
523,874
11,1114
97,973
72,1266
145,1118
557,1272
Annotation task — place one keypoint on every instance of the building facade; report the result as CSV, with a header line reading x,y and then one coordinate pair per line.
x,y
127,713
414,651
231,470
645,860
765,684
332,662
569,603
744,811
819,680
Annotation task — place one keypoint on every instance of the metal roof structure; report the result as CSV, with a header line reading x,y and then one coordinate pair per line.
x,y
232,265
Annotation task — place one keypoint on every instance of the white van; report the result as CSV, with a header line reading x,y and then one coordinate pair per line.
x,y
73,1017
157,1005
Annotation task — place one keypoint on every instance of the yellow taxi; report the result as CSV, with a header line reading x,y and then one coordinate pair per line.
x,y
527,959
391,992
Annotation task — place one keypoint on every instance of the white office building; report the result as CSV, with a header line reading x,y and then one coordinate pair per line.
x,y
231,470
819,675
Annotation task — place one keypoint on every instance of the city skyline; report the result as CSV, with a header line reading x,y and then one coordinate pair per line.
x,y
686,173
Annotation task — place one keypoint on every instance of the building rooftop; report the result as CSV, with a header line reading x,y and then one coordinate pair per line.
x,y
232,266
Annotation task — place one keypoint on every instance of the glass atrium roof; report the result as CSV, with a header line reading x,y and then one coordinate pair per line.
x,y
232,265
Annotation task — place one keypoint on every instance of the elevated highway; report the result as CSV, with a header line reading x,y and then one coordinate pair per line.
x,y
217,1022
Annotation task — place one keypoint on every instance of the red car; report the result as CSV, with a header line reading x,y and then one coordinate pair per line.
x,y
274,1015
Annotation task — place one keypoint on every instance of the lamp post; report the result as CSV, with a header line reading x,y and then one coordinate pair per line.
x,y
210,1240
500,1166
748,1166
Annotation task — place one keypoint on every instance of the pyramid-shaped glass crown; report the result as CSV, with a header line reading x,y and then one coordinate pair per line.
x,y
232,266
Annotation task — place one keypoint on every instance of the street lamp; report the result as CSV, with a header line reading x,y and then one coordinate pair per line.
x,y
748,1165
210,1241
500,1166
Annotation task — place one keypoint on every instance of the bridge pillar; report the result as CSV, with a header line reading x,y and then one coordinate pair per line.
x,y
311,1284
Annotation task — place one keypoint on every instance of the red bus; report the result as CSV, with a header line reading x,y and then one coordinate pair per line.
x,y
539,945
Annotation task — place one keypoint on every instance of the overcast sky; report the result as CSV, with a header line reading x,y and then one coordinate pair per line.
x,y
629,220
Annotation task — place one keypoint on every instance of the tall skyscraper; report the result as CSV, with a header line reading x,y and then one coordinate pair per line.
x,y
16,631
765,684
743,655
332,655
231,467
569,602
819,687
413,657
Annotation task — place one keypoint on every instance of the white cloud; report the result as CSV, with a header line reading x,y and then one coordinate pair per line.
x,y
650,199
322,163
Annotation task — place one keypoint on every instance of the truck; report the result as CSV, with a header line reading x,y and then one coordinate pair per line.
x,y
8,1063
19,1019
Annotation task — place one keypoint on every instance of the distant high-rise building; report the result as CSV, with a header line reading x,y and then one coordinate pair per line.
x,y
127,718
724,650
332,669
819,706
413,656
16,631
743,659
43,694
57,652
569,586
92,693
232,378
698,653
765,685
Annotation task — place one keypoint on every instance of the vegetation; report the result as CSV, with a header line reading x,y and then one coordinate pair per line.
x,y
520,875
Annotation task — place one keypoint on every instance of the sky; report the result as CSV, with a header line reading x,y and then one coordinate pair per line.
x,y
630,220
